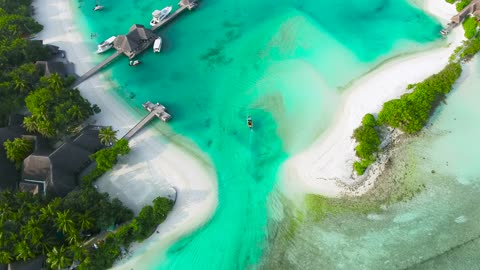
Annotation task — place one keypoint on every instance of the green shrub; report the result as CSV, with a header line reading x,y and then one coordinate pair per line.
x,y
462,4
411,111
470,27
368,142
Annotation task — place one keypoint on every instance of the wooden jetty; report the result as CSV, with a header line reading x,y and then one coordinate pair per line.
x,y
155,110
136,41
473,8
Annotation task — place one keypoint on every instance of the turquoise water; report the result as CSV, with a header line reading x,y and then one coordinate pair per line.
x,y
283,62
437,229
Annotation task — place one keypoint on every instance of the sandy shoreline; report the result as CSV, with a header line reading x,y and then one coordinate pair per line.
x,y
330,158
155,166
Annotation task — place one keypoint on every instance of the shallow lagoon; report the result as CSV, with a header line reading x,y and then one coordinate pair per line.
x,y
282,62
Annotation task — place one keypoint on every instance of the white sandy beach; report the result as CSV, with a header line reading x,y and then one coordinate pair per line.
x,y
330,158
155,167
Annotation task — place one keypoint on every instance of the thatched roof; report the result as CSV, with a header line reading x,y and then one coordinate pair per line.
x,y
59,169
135,41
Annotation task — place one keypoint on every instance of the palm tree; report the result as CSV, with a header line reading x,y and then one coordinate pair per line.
x,y
33,231
23,251
57,258
5,257
86,221
30,124
107,136
64,223
56,82
17,150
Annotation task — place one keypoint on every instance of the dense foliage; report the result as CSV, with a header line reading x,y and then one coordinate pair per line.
x,y
105,159
138,230
470,26
368,142
17,150
55,108
411,111
471,47
33,225
17,55
462,4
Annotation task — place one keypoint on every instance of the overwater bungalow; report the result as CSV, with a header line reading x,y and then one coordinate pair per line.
x,y
137,40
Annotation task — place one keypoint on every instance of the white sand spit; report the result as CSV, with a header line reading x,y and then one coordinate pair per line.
x,y
330,159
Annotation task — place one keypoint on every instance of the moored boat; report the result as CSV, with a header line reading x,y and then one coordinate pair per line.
x,y
106,45
97,8
134,62
249,122
159,15
157,45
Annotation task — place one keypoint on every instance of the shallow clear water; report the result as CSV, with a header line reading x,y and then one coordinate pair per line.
x,y
283,62
437,229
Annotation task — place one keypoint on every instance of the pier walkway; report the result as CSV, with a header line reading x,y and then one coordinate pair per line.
x,y
155,110
184,5
95,69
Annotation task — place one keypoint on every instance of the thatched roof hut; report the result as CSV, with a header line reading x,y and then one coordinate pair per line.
x,y
137,39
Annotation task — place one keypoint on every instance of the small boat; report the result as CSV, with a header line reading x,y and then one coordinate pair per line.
x,y
106,45
159,15
157,45
134,62
97,8
249,122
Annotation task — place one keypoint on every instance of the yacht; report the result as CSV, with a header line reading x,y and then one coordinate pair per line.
x,y
106,45
157,45
159,15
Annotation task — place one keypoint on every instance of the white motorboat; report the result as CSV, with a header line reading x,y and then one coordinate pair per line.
x,y
97,8
157,45
159,15
134,62
106,45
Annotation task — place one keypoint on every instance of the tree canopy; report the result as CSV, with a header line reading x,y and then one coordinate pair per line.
x,y
56,110
18,149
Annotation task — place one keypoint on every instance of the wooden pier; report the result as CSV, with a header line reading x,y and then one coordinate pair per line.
x,y
95,69
155,110
184,5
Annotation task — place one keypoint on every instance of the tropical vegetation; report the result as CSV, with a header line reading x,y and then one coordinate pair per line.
x,y
17,150
55,109
107,136
411,112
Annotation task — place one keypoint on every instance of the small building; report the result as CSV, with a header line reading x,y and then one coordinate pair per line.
x,y
50,67
57,171
137,40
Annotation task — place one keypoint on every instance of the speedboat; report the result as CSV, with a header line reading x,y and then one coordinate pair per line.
x,y
97,8
134,62
106,45
159,15
249,122
157,45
